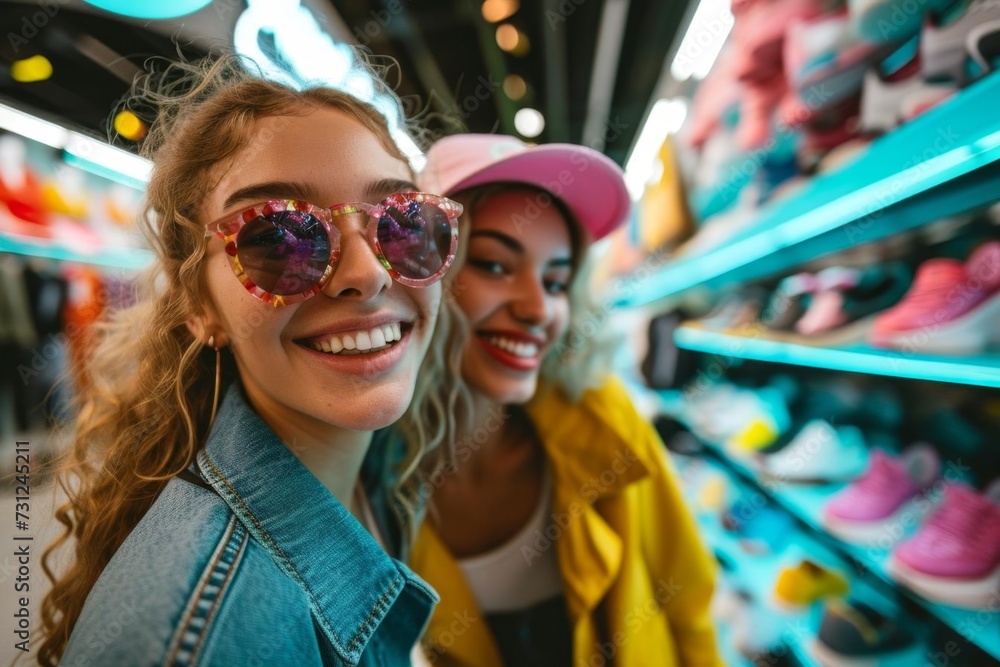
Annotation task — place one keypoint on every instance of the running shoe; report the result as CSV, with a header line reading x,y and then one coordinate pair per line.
x,y
952,308
955,558
879,505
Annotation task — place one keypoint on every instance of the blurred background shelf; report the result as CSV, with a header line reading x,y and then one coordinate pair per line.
x,y
755,573
120,258
982,370
943,163
807,502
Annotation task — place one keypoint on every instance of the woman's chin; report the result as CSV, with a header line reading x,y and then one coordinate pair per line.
x,y
370,418
507,392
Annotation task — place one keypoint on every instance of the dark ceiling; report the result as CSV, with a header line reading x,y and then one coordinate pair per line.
x,y
450,66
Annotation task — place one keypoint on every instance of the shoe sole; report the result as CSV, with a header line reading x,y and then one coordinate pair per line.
x,y
854,332
970,334
981,593
874,533
827,657
778,478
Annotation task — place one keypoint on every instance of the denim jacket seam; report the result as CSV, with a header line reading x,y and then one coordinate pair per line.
x,y
225,560
269,542
364,632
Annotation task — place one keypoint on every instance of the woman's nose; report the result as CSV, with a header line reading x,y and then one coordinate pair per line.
x,y
357,273
532,304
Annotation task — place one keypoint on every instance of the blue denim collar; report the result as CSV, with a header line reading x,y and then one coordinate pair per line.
x,y
351,583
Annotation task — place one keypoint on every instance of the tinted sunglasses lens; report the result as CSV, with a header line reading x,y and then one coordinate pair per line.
x,y
415,239
284,252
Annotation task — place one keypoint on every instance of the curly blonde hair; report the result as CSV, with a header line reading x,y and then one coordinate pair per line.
x,y
144,411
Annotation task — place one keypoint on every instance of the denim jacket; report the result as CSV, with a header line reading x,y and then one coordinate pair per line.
x,y
251,562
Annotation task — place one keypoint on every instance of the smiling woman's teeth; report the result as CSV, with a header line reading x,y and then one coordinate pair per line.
x,y
362,342
514,347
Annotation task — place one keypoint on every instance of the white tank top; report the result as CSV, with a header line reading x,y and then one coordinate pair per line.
x,y
524,570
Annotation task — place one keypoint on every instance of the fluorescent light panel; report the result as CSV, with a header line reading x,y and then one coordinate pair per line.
x,y
133,169
666,117
710,26
33,128
314,56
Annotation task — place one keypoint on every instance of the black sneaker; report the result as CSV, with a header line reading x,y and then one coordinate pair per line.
x,y
852,631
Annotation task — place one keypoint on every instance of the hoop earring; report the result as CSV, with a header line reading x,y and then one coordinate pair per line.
x,y
218,380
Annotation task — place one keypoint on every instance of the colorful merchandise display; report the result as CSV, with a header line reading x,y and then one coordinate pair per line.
x,y
843,315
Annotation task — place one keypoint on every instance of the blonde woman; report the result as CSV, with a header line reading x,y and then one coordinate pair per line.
x,y
559,535
216,508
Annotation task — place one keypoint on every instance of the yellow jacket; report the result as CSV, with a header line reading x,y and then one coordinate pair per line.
x,y
637,579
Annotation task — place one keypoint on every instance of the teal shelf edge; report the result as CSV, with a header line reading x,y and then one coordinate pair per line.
x,y
982,370
807,503
931,163
120,258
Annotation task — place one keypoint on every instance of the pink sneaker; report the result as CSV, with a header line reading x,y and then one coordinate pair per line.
x,y
951,308
874,508
759,34
760,101
955,558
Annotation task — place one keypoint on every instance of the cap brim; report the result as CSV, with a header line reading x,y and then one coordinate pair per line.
x,y
588,182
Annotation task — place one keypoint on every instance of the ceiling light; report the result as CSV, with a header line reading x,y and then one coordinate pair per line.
x,y
128,125
150,9
512,40
666,117
105,160
495,11
529,122
81,151
305,54
703,40
29,70
514,86
507,37
32,128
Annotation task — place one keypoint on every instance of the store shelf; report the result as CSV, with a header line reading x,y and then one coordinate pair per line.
x,y
120,258
943,163
982,370
807,503
755,573
708,201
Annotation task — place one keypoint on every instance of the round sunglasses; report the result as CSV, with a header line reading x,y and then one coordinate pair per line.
x,y
284,251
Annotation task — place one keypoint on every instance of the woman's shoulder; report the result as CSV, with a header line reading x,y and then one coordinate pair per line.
x,y
188,586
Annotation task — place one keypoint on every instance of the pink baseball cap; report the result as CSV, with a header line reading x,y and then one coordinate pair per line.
x,y
589,183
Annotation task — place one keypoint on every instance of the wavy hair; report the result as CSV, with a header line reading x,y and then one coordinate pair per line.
x,y
143,412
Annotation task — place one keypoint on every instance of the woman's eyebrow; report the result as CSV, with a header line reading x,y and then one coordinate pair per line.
x,y
505,239
377,190
259,192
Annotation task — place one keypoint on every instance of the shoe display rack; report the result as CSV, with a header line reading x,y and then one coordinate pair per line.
x,y
981,370
780,633
806,503
943,165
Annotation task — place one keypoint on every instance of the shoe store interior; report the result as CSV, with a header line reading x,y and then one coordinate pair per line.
x,y
804,299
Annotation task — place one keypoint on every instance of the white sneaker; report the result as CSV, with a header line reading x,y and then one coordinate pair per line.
x,y
820,453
